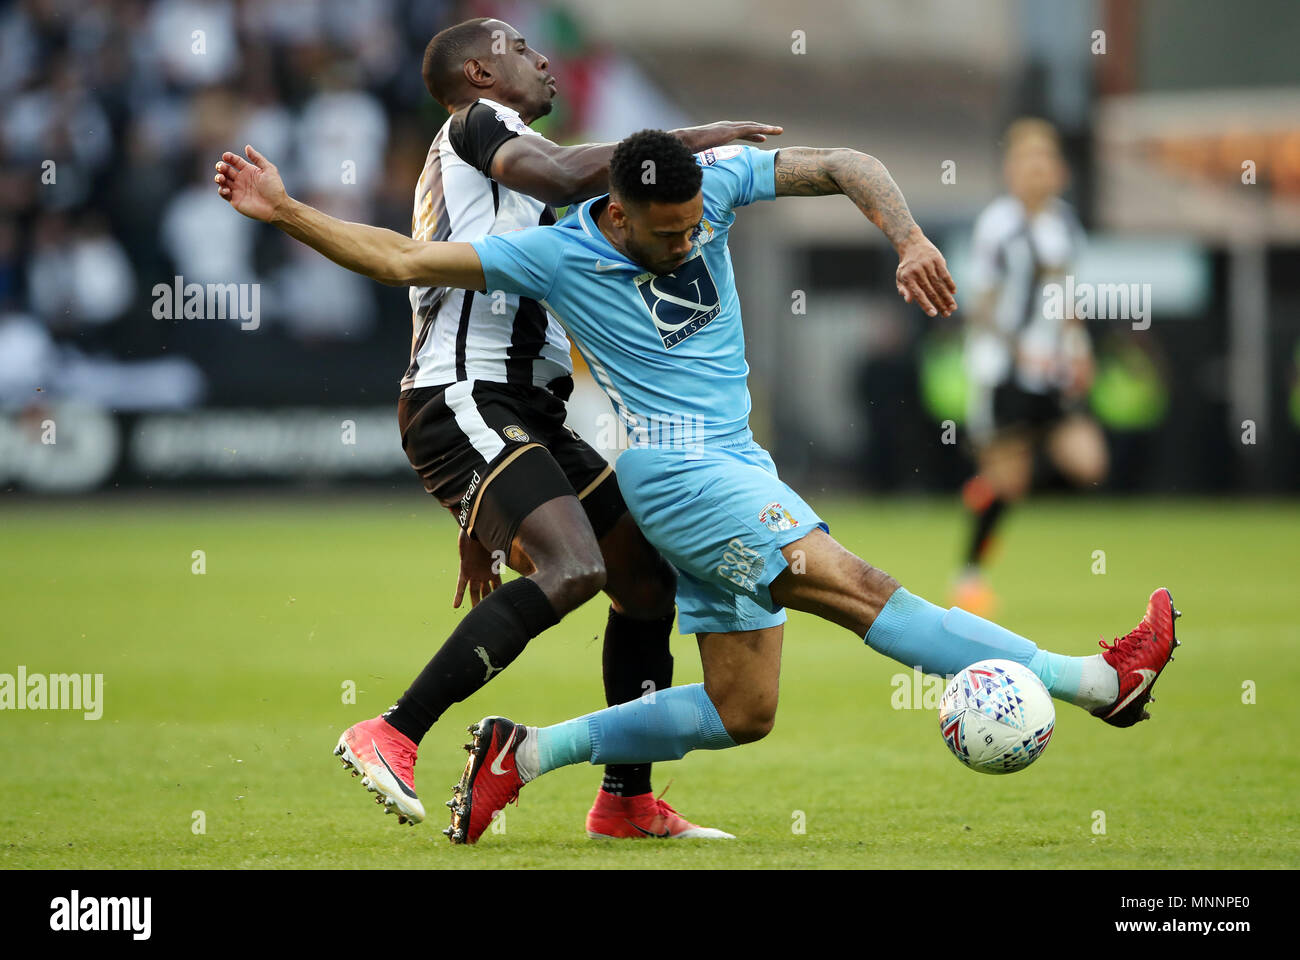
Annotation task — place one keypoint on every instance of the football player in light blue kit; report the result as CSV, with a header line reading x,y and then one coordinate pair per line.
x,y
643,282
667,346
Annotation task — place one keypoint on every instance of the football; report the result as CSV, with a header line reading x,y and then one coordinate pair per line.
x,y
996,716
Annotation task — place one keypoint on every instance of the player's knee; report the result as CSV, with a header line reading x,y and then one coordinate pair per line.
x,y
751,720
752,727
881,583
1092,470
570,583
873,585
585,578
1091,476
1014,486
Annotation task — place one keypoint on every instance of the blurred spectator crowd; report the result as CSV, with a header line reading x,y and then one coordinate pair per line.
x,y
114,113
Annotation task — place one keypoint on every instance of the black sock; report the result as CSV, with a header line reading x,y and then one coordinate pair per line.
x,y
636,655
982,532
486,641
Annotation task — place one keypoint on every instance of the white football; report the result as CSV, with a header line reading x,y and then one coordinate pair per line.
x,y
996,716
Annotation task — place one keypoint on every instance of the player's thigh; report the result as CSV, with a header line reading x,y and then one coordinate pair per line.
x,y
527,511
827,580
640,582
1006,461
1077,447
555,534
742,672
720,516
481,449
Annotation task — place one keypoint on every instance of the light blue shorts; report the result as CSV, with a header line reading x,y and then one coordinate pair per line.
x,y
720,514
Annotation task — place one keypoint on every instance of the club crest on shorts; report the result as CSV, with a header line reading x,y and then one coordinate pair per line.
x,y
515,432
777,518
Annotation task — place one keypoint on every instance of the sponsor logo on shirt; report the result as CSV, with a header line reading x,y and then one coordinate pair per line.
x,y
681,303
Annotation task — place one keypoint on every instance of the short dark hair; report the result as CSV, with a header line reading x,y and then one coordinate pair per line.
x,y
445,56
653,167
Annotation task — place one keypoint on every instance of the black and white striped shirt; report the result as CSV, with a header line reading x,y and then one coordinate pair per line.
x,y
461,335
1013,256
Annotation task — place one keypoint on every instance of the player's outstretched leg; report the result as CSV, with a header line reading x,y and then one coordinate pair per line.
x,y
567,570
735,704
1006,462
636,662
504,756
971,590
842,588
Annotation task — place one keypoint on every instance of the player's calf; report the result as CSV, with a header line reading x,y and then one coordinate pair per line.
x,y
742,673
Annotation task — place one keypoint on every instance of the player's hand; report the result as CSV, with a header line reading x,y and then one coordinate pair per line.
x,y
253,188
478,570
725,131
923,276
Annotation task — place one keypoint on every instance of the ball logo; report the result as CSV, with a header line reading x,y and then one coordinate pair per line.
x,y
515,433
996,716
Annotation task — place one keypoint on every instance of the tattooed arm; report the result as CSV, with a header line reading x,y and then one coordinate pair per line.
x,y
922,275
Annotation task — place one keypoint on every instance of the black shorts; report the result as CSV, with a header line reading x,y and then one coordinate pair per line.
x,y
1015,408
494,452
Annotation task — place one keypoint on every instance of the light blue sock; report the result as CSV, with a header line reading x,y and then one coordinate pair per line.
x,y
679,719
916,633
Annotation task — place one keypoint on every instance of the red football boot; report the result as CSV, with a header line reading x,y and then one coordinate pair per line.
x,y
1138,659
387,758
490,781
644,815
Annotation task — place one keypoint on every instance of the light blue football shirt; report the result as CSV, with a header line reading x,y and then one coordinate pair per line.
x,y
668,351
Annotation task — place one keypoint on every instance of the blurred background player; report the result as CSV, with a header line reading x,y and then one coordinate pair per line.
x,y
1029,368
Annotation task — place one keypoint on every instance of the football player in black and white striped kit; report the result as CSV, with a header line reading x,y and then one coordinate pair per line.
x,y
482,412
1029,370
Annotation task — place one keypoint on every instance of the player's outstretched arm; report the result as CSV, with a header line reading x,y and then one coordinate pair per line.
x,y
922,275
253,187
563,175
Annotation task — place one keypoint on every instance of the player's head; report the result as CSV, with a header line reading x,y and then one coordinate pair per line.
x,y
487,58
654,199
1033,164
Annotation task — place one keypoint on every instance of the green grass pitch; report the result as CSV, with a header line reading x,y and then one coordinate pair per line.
x,y
224,693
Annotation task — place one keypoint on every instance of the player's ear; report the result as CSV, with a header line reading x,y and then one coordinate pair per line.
x,y
478,73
